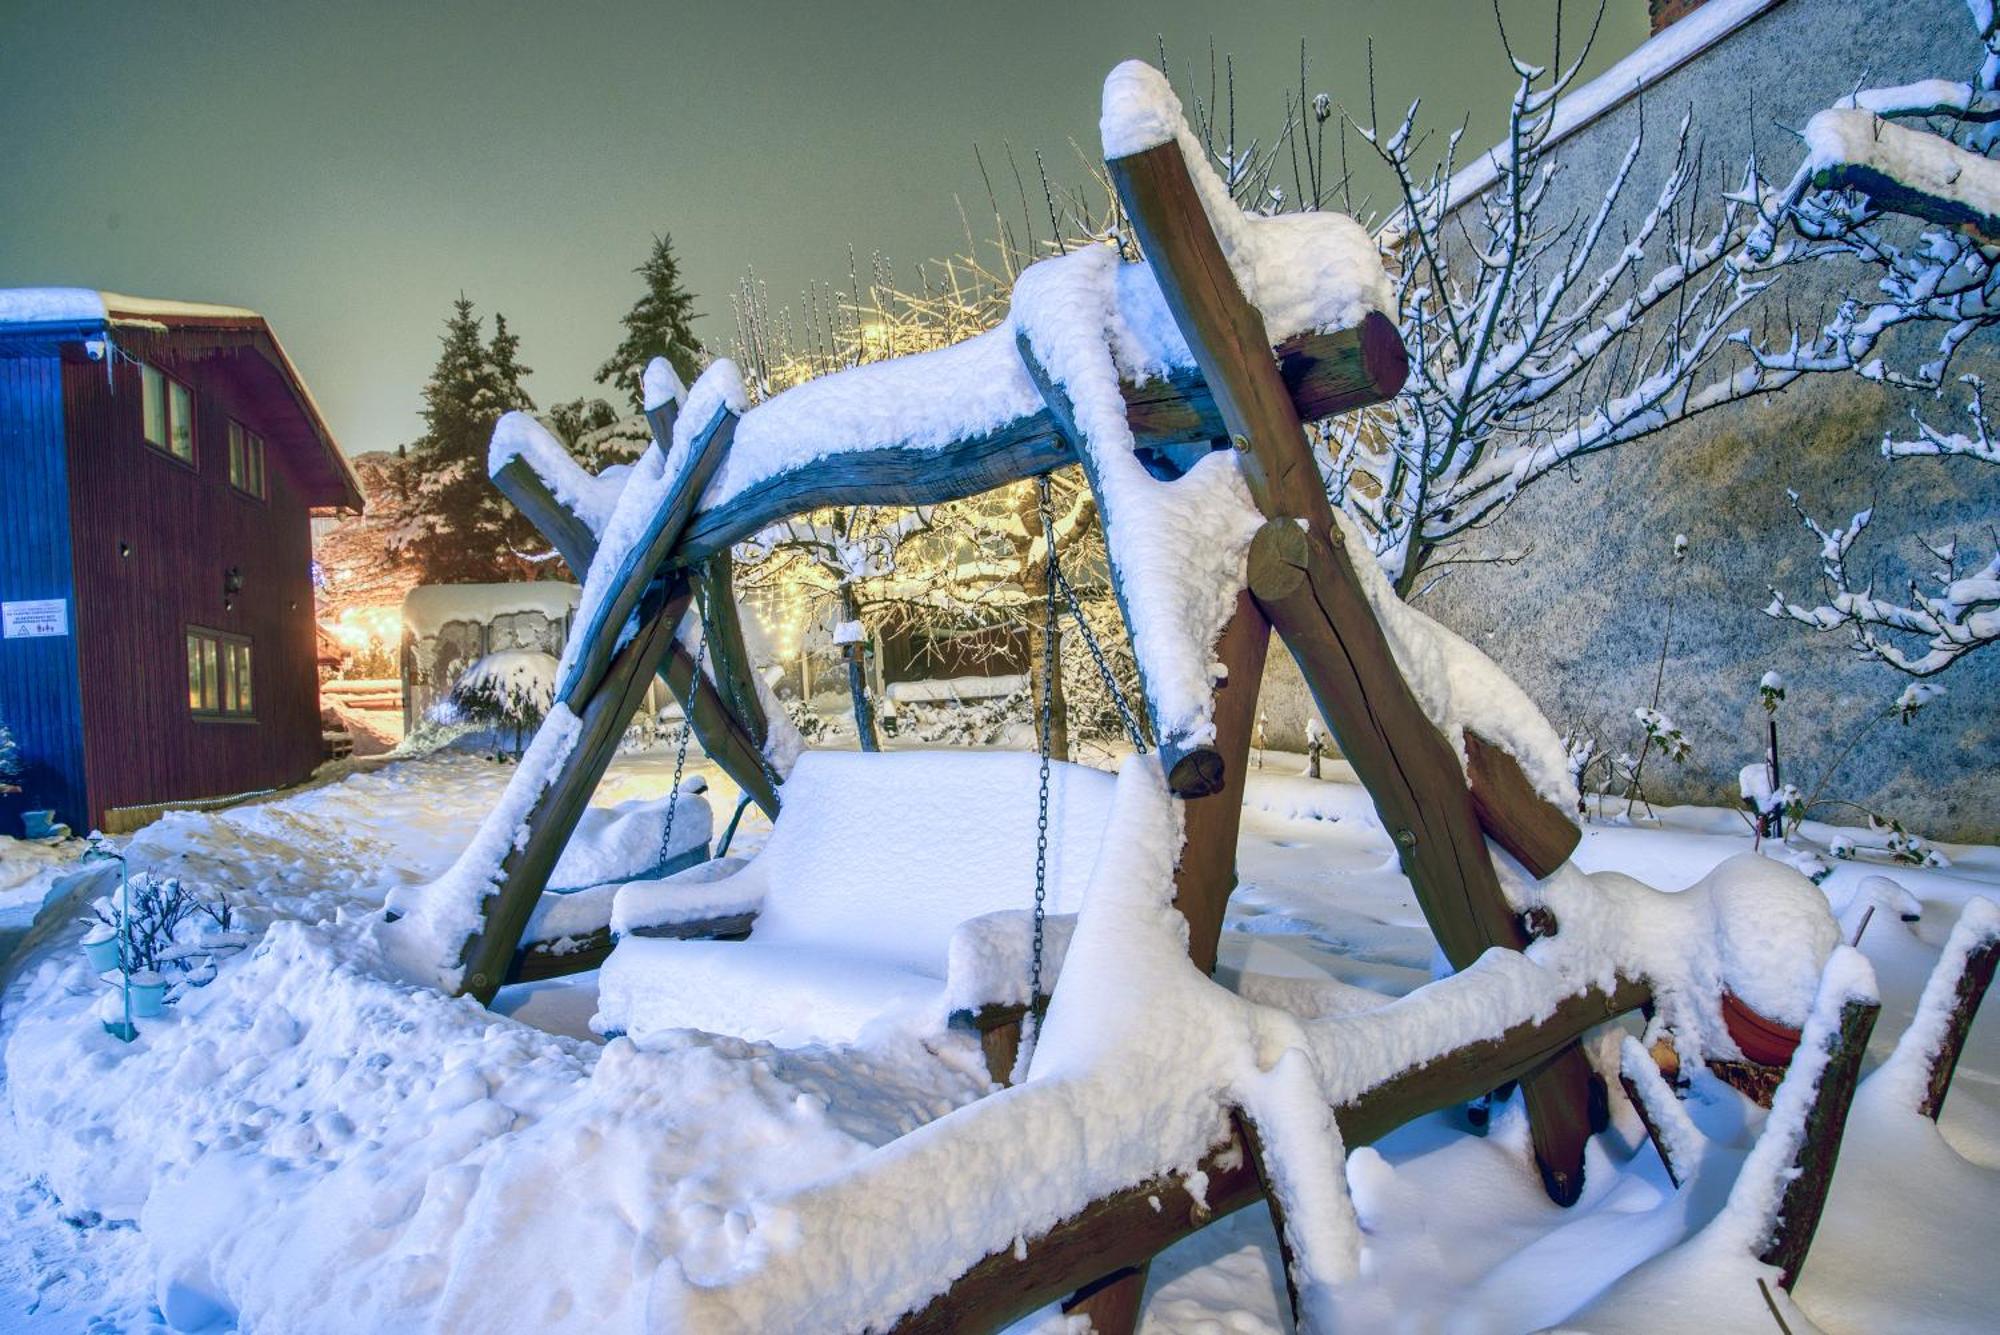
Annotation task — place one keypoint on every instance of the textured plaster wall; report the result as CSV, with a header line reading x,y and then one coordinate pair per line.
x,y
1579,622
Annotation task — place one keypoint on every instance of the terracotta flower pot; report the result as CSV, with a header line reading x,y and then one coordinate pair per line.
x,y
1763,1041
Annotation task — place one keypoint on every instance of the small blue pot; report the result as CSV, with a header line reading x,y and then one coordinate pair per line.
x,y
38,824
149,1000
103,955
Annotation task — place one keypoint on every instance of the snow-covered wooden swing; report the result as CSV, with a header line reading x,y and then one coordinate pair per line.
x,y
1154,1100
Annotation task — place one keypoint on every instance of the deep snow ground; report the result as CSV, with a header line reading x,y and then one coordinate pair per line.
x,y
1460,1235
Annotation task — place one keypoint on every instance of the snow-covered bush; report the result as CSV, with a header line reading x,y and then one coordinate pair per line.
x,y
508,692
168,932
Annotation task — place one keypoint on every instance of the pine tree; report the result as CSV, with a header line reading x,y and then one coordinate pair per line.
x,y
658,325
468,533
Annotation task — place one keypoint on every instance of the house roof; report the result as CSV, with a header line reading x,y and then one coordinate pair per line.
x,y
65,314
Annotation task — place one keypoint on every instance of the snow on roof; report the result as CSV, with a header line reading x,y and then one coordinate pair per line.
x,y
428,608
29,307
83,305
50,305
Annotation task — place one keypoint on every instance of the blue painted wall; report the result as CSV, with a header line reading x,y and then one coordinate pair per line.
x,y
40,696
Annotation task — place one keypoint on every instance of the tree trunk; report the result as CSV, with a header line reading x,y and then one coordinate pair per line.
x,y
857,673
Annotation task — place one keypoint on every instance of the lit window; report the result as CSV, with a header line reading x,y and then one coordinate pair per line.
x,y
218,674
246,460
167,412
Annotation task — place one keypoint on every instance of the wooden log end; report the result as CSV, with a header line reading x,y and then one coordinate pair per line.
x,y
1383,355
1278,560
1196,772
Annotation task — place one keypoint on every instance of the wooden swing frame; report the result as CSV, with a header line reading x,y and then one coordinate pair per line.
x,y
1439,810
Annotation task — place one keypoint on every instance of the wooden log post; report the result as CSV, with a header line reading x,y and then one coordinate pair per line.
x,y
1811,1173
1974,975
726,735
1360,689
488,955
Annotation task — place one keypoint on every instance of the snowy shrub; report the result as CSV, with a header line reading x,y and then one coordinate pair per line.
x,y
509,693
987,722
10,757
169,929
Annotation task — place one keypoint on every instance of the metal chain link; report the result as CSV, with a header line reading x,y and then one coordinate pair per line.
x,y
1133,732
681,753
1036,1003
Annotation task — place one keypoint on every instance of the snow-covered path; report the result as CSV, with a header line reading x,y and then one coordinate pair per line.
x,y
1460,1236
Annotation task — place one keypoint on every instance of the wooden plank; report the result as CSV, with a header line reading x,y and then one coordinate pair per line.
x,y
1324,374
1538,833
1812,1167
728,658
732,740
597,635
1128,1227
524,872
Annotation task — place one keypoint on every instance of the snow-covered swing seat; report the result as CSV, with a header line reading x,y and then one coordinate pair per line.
x,y
894,887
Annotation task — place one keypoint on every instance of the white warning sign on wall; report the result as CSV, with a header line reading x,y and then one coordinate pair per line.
x,y
33,618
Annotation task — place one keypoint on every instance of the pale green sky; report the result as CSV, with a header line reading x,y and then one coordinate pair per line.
x,y
348,169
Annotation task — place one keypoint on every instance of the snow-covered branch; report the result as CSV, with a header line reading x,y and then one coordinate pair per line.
x,y
1536,335
1917,204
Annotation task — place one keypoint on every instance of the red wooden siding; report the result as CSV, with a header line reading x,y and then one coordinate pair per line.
x,y
185,528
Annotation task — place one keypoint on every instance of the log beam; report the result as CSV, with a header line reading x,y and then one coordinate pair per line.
x,y
1128,1228
1975,975
1538,833
597,636
1324,374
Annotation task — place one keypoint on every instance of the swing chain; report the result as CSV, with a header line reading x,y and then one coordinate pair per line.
x,y
1036,1003
681,752
1131,721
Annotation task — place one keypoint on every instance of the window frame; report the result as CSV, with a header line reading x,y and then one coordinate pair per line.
x,y
247,455
221,676
171,390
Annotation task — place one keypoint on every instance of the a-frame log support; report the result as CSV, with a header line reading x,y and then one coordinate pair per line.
x,y
734,742
605,683
1381,728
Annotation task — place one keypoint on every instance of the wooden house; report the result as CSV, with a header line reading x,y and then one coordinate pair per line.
x,y
160,463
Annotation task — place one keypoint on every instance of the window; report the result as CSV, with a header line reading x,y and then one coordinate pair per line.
x,y
167,411
246,460
218,674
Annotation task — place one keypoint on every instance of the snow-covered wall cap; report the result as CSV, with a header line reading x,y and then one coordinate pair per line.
x,y
662,386
1140,110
